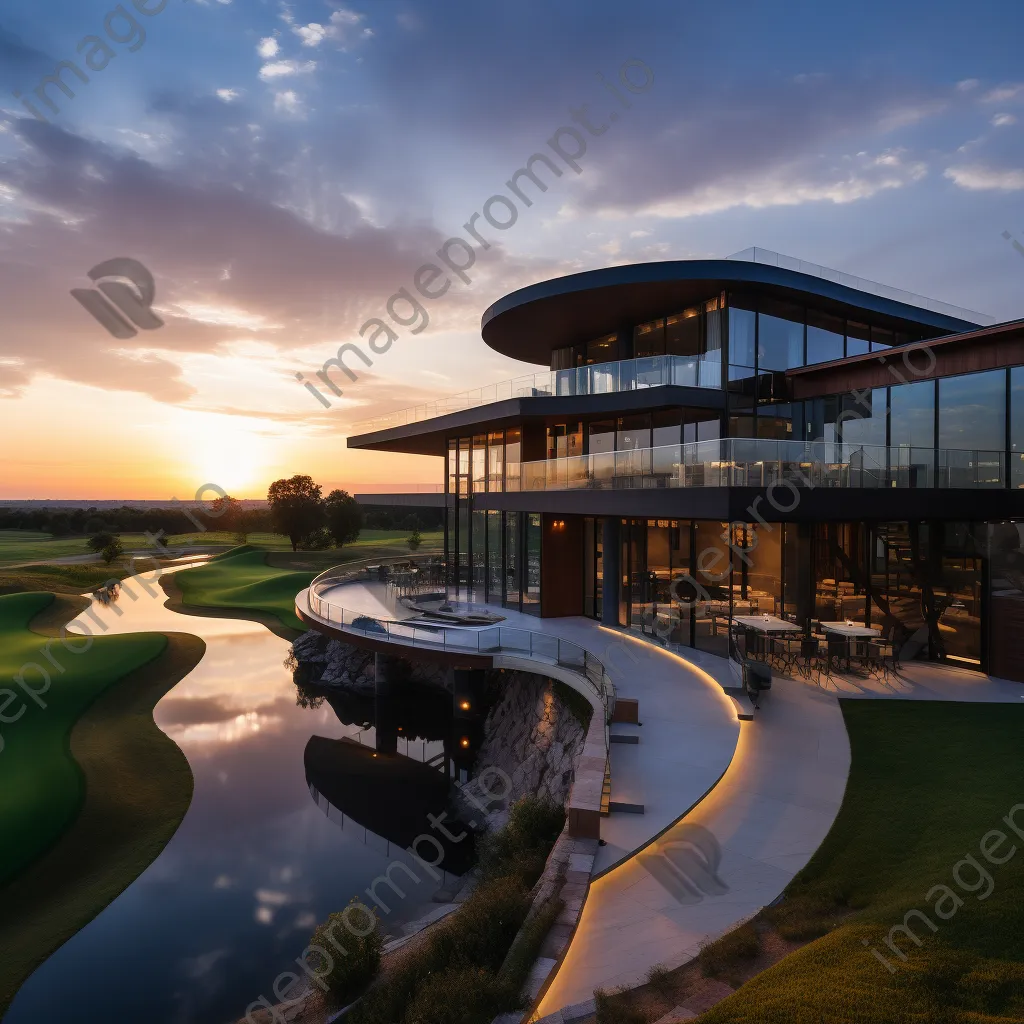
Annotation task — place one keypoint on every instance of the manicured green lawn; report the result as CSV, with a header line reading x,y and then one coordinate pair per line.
x,y
928,782
41,787
243,581
266,581
18,546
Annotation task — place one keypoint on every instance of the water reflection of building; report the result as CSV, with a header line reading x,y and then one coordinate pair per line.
x,y
719,438
390,797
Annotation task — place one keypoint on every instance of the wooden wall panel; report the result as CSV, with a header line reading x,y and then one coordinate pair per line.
x,y
561,569
1006,651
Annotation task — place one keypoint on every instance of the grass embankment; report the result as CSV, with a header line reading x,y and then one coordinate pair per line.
x,y
928,781
240,581
90,789
263,583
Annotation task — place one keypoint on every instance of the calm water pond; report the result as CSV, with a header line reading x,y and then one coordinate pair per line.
x,y
272,843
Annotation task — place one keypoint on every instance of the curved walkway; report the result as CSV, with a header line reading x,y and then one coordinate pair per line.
x,y
755,830
689,732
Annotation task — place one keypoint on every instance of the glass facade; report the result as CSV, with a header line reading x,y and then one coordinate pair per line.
x,y
923,585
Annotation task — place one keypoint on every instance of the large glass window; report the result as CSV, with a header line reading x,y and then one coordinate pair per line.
x,y
666,427
513,559
780,336
634,432
453,465
602,350
863,417
824,337
649,339
683,333
1017,426
531,591
858,337
513,458
742,333
480,463
495,564
495,461
602,437
912,415
972,411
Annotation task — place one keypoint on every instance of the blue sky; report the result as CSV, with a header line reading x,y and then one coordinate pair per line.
x,y
282,168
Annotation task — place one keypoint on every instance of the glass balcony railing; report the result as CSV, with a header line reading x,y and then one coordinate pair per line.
x,y
595,379
750,462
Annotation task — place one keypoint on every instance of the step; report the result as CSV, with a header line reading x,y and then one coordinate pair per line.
x,y
625,808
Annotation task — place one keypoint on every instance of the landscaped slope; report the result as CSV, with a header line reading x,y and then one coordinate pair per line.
x,y
40,784
241,580
929,784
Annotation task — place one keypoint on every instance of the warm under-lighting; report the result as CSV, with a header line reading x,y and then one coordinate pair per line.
x,y
464,705
464,742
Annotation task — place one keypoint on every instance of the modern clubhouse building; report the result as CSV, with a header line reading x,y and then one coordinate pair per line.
x,y
718,438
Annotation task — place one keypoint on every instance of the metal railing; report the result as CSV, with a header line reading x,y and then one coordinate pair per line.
x,y
595,379
751,462
485,640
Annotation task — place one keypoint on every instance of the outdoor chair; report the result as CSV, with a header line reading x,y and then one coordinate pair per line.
x,y
811,656
757,679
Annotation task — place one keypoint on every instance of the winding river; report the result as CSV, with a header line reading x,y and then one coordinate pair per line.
x,y
255,864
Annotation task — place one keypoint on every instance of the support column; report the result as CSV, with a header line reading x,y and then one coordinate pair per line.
x,y
612,574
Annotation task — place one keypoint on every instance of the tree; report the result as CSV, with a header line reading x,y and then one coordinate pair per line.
x,y
344,517
101,540
113,550
296,507
415,540
225,514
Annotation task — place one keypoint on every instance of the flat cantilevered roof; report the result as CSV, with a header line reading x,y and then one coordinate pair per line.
x,y
527,324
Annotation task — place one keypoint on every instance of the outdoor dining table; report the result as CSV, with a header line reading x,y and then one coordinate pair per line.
x,y
766,625
849,631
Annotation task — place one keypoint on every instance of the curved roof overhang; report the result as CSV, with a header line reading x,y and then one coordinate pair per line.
x,y
527,324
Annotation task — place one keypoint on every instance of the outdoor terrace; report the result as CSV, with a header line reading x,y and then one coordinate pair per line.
x,y
595,379
751,462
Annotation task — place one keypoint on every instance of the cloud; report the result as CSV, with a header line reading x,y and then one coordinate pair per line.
x,y
979,178
228,95
1001,120
268,47
229,263
287,102
285,68
1003,93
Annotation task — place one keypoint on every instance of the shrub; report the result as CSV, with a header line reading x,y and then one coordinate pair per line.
x,y
613,1009
415,540
459,995
318,540
352,970
112,550
522,846
575,703
724,956
100,540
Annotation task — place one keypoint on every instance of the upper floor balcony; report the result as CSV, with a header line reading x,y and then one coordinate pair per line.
x,y
753,462
594,379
